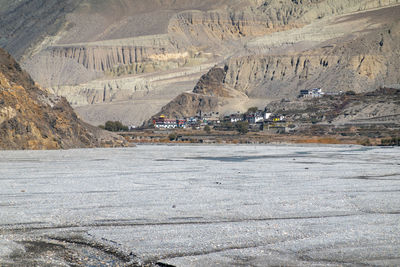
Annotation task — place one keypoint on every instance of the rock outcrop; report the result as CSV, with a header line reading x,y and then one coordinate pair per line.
x,y
32,118
212,84
103,56
208,94
188,105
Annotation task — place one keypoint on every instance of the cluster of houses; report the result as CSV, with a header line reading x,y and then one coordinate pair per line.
x,y
253,118
257,119
316,92
165,123
261,120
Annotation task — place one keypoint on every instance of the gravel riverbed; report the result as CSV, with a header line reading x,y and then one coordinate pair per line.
x,y
189,205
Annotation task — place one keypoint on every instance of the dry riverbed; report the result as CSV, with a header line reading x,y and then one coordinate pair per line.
x,y
191,205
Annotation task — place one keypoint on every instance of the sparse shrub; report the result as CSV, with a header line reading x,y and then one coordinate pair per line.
x,y
394,141
365,142
314,120
172,136
207,129
350,92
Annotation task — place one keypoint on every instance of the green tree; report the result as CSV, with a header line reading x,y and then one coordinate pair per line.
x,y
252,110
227,125
242,127
207,129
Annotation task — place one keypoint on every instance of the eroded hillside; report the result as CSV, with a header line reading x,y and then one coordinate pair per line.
x,y
344,55
32,118
114,56
360,58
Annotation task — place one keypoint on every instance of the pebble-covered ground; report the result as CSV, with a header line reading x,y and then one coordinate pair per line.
x,y
201,206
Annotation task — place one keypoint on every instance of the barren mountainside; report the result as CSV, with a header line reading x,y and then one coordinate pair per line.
x,y
32,118
361,64
378,106
123,54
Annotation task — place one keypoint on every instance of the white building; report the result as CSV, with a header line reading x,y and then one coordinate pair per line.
x,y
315,92
236,118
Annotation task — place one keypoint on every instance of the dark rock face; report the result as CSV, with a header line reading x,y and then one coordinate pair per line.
x,y
212,83
204,98
31,118
188,105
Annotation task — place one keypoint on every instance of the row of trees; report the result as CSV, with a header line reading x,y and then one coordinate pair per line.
x,y
114,126
241,126
394,141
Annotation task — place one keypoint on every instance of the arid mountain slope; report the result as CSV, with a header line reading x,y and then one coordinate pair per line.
x,y
375,107
24,24
359,64
374,114
31,118
100,52
130,37
360,61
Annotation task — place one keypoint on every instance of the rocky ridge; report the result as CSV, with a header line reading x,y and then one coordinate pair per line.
x,y
32,118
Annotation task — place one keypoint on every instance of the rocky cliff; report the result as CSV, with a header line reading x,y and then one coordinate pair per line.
x,y
32,118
